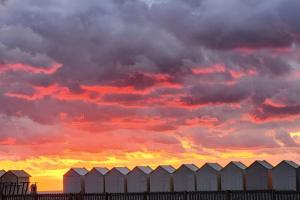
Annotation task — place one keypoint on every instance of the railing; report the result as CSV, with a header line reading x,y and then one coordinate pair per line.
x,y
220,195
12,188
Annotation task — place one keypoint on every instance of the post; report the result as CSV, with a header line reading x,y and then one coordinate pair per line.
x,y
273,195
185,195
228,196
106,196
145,195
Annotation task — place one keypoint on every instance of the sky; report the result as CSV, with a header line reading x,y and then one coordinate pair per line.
x,y
135,82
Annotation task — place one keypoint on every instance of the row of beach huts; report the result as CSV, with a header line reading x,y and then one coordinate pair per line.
x,y
260,175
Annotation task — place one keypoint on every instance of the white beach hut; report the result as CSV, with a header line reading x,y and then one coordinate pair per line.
x,y
115,180
233,176
94,180
73,180
185,178
285,175
138,179
208,177
259,176
161,179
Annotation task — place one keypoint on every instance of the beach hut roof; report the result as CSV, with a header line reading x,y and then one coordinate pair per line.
x,y
19,173
2,172
214,166
168,168
264,163
122,170
237,164
144,169
79,171
101,170
191,167
291,163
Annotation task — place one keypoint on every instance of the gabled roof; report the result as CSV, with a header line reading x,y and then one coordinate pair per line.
x,y
144,169
263,163
291,163
122,170
101,170
168,168
237,164
214,166
19,173
78,171
191,167
2,172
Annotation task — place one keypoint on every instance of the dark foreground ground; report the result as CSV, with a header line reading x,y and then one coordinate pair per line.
x,y
222,195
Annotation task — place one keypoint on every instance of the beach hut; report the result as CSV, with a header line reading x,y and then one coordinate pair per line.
x,y
115,180
138,179
233,176
284,175
259,176
73,180
94,180
185,178
15,182
208,177
161,179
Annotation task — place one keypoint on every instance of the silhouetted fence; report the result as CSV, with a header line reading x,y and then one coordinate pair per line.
x,y
221,195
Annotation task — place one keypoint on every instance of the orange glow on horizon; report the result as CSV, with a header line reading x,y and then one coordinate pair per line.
x,y
47,172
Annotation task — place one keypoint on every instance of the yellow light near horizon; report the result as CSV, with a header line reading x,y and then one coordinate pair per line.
x,y
186,144
241,154
295,134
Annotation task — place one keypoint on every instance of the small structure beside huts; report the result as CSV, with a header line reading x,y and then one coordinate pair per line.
x,y
233,176
73,180
208,177
259,176
138,179
161,179
15,182
94,180
116,180
286,175
185,178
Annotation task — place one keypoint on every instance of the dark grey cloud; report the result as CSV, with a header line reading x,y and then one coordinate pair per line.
x,y
131,43
112,38
234,23
269,111
217,93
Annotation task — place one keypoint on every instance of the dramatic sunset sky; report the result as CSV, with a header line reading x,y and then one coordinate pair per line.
x,y
88,83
